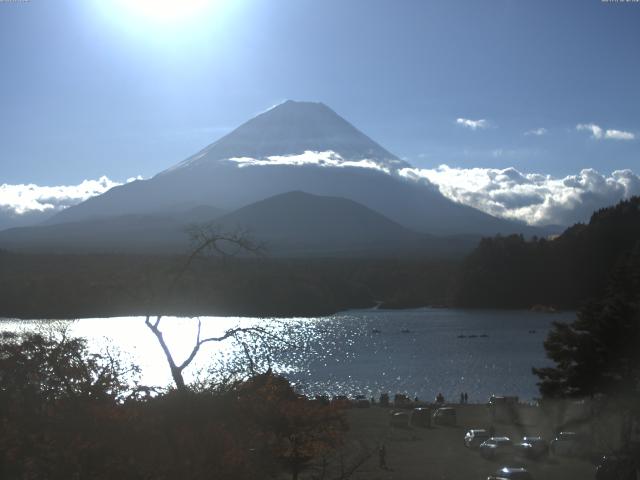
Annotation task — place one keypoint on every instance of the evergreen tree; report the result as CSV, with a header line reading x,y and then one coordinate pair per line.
x,y
599,353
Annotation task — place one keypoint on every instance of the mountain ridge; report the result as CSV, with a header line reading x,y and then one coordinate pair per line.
x,y
291,224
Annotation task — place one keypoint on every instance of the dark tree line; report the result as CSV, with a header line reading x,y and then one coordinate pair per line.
x,y
72,286
566,272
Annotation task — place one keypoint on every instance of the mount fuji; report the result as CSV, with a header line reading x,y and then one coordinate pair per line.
x,y
293,147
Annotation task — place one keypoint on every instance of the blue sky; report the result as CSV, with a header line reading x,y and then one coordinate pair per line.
x,y
91,88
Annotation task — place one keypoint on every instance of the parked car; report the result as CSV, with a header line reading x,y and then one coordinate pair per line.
x,y
474,437
399,419
571,444
532,447
362,401
421,417
496,447
621,466
503,399
511,473
445,416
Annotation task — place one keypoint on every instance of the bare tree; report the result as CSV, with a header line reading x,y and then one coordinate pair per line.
x,y
206,239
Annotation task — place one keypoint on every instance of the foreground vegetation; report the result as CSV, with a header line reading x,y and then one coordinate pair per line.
x,y
66,413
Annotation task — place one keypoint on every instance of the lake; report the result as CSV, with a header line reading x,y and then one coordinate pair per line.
x,y
419,352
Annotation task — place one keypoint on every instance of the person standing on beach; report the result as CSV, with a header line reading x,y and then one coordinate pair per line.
x,y
382,456
466,398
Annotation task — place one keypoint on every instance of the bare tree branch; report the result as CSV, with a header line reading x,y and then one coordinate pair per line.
x,y
207,239
233,332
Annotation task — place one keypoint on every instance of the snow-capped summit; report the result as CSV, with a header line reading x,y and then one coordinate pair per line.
x,y
299,130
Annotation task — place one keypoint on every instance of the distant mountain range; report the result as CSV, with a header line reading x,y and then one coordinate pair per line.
x,y
289,224
298,176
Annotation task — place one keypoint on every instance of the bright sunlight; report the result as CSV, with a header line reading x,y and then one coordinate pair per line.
x,y
167,12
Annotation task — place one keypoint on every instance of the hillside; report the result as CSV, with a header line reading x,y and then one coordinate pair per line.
x,y
292,224
512,272
299,223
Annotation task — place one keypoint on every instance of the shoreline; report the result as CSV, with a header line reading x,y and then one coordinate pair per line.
x,y
270,315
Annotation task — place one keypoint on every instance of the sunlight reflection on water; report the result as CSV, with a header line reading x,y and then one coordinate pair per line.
x,y
417,352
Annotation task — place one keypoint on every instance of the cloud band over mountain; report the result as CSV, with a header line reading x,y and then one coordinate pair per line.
x,y
25,198
531,197
534,198
319,159
23,204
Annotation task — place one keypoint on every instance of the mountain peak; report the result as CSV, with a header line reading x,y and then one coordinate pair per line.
x,y
293,128
300,103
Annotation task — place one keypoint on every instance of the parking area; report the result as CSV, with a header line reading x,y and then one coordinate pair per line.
x,y
439,452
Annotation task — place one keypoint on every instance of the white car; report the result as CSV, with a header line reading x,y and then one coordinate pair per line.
x,y
474,437
399,419
444,416
532,447
511,473
496,447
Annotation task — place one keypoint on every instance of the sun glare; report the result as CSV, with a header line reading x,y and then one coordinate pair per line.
x,y
166,11
163,23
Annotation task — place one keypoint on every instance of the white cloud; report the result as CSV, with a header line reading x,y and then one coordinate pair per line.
x,y
472,124
25,199
320,159
599,133
538,132
596,131
534,198
619,135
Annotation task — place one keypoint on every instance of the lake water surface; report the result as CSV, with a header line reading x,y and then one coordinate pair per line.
x,y
418,352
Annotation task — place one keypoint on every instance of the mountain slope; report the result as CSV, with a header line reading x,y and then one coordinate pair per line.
x,y
296,146
289,224
125,233
164,232
298,221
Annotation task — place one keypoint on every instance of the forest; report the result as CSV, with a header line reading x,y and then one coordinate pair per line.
x,y
77,286
561,273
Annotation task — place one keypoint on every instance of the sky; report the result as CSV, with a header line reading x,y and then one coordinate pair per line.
x,y
110,88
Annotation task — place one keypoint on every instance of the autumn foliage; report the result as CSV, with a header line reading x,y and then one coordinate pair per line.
x,y
68,414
